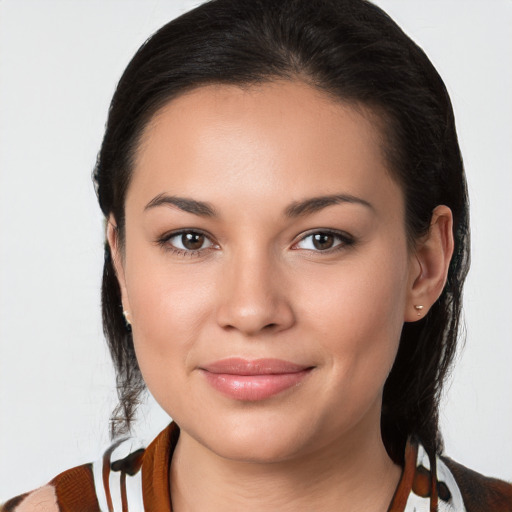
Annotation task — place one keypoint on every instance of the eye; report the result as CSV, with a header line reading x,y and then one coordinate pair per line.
x,y
186,242
324,241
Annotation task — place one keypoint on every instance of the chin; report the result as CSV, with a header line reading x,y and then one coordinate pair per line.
x,y
257,449
254,438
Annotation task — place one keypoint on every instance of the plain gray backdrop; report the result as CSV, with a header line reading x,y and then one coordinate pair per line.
x,y
59,63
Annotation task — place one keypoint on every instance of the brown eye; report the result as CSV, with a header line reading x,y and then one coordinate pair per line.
x,y
323,241
187,242
192,241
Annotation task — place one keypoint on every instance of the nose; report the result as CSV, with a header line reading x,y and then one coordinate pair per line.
x,y
254,296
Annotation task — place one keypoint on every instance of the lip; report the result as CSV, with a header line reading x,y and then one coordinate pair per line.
x,y
254,380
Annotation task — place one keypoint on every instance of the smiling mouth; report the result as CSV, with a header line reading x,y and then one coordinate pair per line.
x,y
254,380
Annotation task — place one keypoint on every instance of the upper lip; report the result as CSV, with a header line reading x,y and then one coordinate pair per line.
x,y
239,366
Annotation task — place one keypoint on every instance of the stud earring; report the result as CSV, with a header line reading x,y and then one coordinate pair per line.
x,y
418,308
126,315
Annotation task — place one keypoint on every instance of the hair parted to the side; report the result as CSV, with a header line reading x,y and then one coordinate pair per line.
x,y
353,51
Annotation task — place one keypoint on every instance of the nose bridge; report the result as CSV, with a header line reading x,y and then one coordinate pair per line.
x,y
253,292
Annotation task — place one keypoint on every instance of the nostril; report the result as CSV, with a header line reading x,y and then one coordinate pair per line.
x,y
253,314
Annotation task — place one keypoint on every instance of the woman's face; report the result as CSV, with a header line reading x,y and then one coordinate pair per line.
x,y
266,270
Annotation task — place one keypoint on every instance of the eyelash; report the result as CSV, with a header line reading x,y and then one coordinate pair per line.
x,y
164,242
345,239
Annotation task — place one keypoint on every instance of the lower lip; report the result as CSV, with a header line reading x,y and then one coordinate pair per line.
x,y
254,387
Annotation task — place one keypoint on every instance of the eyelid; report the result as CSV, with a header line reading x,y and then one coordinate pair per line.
x,y
164,242
345,239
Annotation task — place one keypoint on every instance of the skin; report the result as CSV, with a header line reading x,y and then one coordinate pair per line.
x,y
260,288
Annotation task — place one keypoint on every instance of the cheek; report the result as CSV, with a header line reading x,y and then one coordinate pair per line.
x,y
169,308
365,293
356,314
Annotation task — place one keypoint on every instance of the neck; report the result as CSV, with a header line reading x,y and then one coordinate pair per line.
x,y
354,473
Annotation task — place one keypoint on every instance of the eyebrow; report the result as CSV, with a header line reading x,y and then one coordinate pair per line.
x,y
200,208
315,204
295,209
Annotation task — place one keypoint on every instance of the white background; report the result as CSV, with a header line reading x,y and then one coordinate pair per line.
x,y
59,63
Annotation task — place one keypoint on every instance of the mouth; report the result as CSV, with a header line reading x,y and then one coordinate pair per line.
x,y
254,380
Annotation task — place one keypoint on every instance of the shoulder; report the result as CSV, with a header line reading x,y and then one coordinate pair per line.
x,y
65,489
479,492
435,482
111,480
84,488
128,473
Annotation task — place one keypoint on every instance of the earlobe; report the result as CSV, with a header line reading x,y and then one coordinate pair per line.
x,y
430,266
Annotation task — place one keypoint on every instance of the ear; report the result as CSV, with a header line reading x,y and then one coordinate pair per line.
x,y
429,265
117,259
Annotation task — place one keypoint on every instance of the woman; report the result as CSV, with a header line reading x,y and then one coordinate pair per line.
x,y
287,242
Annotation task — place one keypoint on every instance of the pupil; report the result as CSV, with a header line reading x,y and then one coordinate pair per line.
x,y
323,241
192,241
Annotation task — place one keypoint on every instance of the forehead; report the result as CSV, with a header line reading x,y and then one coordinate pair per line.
x,y
268,141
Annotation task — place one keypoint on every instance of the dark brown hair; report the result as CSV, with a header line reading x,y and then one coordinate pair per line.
x,y
353,51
